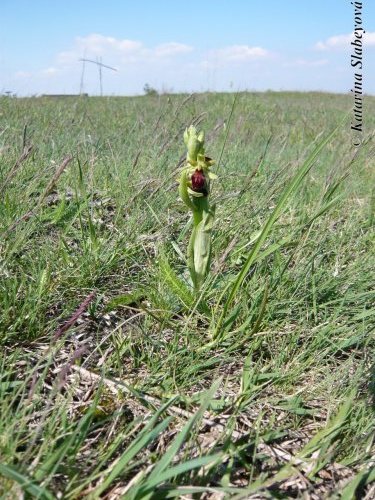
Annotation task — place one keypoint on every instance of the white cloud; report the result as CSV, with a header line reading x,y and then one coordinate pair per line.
x,y
171,49
51,71
240,53
334,42
369,38
232,55
181,67
22,74
305,63
342,41
119,50
135,61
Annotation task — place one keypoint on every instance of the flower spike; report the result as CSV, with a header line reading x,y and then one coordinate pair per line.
x,y
194,190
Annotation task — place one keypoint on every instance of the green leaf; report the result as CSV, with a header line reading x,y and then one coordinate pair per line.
x,y
125,300
177,470
288,192
183,434
144,438
190,257
353,488
25,483
332,430
183,190
176,285
202,247
161,472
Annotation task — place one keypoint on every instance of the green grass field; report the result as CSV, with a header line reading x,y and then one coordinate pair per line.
x,y
117,381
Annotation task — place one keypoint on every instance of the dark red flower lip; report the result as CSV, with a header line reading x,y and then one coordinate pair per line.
x,y
198,182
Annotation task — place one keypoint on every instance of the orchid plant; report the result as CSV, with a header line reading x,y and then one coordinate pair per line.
x,y
194,190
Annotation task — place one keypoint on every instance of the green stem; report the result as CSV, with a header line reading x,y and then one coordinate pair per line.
x,y
201,205
199,247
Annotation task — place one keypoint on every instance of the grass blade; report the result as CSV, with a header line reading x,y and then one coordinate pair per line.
x,y
25,483
283,201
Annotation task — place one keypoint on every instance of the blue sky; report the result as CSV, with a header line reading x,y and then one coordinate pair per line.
x,y
182,45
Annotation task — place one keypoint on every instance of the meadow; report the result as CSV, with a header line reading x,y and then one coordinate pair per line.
x,y
117,380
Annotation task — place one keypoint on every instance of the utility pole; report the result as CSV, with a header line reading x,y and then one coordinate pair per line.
x,y
82,77
100,67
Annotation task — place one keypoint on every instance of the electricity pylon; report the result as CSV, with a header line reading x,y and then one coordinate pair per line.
x,y
100,66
